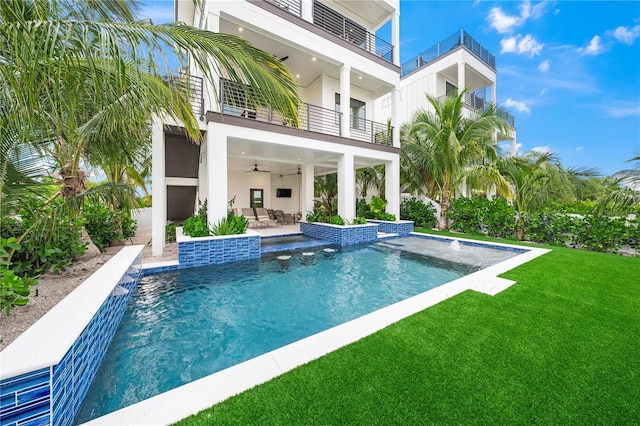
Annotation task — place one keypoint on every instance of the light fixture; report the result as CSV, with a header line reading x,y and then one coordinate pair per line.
x,y
240,29
313,59
299,171
297,75
359,77
242,152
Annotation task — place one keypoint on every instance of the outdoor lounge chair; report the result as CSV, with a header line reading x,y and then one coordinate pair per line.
x,y
263,217
284,217
251,217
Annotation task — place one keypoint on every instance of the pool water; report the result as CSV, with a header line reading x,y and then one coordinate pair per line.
x,y
184,325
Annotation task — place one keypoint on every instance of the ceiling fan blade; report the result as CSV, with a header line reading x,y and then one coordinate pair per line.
x,y
284,58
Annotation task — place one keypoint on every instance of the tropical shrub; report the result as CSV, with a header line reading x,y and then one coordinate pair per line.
x,y
376,210
14,289
50,238
230,225
468,214
423,215
106,225
361,207
500,219
196,226
359,221
600,233
336,220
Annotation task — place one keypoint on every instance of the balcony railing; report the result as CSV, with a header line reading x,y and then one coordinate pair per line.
x,y
294,7
312,118
193,85
477,102
331,21
443,47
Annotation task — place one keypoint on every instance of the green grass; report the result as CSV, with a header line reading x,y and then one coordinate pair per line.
x,y
562,346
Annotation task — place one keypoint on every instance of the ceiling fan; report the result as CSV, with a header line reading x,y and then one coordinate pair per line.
x,y
255,169
299,172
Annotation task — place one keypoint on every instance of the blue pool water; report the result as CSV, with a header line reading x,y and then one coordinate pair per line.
x,y
187,324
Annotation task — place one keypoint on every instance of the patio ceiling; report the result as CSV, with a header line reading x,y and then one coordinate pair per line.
x,y
283,159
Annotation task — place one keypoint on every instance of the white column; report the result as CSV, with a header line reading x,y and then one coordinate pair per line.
x,y
395,114
158,188
461,77
392,185
493,94
346,187
395,37
345,101
306,189
306,10
217,171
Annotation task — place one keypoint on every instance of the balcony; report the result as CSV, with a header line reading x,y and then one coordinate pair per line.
x,y
185,82
336,24
312,118
294,7
445,46
476,101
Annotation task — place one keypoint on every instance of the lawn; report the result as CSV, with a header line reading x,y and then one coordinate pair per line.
x,y
562,346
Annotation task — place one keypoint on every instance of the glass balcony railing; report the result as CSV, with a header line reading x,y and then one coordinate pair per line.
x,y
477,101
443,47
312,118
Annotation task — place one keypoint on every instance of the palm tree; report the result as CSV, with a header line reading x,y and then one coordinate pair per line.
x,y
627,194
445,147
83,78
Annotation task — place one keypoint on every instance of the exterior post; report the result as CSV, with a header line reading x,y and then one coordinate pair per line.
x,y
392,186
217,174
158,188
345,101
395,37
306,188
346,187
462,84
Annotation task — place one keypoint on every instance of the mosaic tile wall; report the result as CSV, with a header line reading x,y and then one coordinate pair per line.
x,y
219,250
402,228
343,236
54,395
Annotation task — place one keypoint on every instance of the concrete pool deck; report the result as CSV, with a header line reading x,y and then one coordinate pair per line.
x,y
193,397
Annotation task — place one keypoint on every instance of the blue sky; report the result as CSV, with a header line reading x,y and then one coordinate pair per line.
x,y
569,71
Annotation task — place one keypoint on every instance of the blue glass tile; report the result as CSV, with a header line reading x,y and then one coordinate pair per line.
x,y
24,381
41,420
33,394
26,412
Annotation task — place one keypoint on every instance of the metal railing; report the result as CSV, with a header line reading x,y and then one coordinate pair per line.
x,y
333,22
443,47
371,131
294,7
312,118
191,84
477,102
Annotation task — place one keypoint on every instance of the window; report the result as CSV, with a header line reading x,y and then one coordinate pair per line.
x,y
357,113
255,198
450,89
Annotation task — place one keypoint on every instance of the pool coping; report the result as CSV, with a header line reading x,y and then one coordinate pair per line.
x,y
188,399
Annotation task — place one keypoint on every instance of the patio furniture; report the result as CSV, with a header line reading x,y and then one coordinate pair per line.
x,y
263,217
251,217
284,217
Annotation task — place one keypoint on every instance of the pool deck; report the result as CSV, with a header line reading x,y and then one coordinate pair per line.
x,y
193,397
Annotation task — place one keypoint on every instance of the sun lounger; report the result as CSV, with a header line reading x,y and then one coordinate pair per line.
x,y
263,217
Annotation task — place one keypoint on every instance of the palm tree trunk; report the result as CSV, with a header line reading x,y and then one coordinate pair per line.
x,y
520,228
445,202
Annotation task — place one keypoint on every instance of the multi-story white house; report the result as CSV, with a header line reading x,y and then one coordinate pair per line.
x,y
341,67
354,104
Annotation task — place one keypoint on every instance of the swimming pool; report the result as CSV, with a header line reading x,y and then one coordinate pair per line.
x,y
189,324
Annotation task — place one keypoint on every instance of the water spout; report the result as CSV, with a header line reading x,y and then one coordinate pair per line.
x,y
455,245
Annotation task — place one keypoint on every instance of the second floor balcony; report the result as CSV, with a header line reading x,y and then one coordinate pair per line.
x,y
477,101
312,118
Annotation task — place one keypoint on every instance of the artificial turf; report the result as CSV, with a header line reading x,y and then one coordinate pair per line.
x,y
562,346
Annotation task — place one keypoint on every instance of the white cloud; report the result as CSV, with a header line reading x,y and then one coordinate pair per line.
x,y
593,48
544,65
626,35
621,109
502,22
518,44
543,91
519,106
505,23
579,148
541,149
